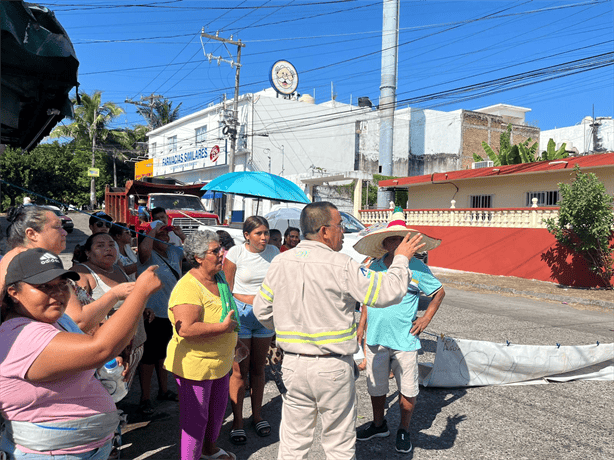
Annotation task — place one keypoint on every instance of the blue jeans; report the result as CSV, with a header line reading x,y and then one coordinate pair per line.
x,y
13,453
250,326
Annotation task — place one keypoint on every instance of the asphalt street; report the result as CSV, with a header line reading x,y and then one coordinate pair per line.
x,y
562,420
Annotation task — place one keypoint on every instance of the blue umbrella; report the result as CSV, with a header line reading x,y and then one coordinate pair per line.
x,y
212,195
258,184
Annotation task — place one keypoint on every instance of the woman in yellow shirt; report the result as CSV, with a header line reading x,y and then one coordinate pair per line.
x,y
201,352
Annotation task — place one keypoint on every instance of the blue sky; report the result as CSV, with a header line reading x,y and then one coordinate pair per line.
x,y
522,51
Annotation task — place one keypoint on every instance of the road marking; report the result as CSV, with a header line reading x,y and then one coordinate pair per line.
x,y
152,452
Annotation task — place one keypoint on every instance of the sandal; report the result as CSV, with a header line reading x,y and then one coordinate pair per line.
x,y
168,396
238,437
218,454
263,428
146,407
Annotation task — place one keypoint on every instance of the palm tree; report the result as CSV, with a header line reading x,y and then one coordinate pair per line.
x,y
91,124
159,113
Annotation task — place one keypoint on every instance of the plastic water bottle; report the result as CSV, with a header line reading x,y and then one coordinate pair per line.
x,y
112,379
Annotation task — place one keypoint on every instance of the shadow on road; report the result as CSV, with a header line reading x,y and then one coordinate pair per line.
x,y
430,403
271,411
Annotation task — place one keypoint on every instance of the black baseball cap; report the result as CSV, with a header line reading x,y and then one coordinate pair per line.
x,y
100,215
36,266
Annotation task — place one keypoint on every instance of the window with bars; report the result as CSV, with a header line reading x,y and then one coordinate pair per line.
x,y
548,198
172,144
153,149
201,135
480,201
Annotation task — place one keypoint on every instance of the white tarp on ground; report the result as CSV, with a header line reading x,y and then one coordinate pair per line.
x,y
466,363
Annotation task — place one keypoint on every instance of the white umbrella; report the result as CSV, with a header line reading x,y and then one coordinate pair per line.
x,y
282,218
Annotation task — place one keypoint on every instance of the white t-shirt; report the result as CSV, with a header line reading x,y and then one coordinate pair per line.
x,y
251,267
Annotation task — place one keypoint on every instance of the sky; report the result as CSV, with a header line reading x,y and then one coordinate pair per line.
x,y
553,57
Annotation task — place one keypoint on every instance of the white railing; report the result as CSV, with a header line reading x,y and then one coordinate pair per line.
x,y
491,217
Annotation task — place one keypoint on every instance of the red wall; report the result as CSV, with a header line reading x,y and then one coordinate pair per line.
x,y
525,253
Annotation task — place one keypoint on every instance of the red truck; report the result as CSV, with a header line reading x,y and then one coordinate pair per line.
x,y
182,204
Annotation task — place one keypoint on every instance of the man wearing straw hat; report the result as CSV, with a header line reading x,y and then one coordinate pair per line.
x,y
308,296
392,333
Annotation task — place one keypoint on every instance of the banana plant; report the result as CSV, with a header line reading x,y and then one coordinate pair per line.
x,y
512,156
527,153
496,161
552,154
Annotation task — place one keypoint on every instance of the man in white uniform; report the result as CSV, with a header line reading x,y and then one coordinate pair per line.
x,y
308,297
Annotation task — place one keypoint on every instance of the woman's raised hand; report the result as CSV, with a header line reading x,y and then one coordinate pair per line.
x,y
229,323
149,281
122,290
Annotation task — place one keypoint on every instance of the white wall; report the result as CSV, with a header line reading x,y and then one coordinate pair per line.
x,y
417,132
580,136
302,135
433,131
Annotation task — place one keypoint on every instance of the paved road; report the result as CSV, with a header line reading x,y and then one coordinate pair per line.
x,y
566,420
563,421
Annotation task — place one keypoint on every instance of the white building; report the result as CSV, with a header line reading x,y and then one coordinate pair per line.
x,y
324,145
587,137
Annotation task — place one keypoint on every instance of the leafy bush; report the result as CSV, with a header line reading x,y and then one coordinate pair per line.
x,y
585,221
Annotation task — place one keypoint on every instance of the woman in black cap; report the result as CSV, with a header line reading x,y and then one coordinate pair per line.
x,y
51,402
37,227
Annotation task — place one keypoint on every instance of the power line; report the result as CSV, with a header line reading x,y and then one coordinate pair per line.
x,y
164,5
461,94
413,28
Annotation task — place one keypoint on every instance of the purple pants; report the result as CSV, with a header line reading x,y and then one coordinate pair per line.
x,y
202,406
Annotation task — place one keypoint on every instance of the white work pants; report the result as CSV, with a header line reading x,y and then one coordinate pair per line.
x,y
323,385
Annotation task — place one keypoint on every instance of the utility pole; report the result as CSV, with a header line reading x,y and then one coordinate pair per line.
x,y
234,122
147,102
387,99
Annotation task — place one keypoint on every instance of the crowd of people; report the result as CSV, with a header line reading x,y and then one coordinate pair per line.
x,y
205,309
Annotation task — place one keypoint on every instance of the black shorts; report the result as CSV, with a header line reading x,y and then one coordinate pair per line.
x,y
159,333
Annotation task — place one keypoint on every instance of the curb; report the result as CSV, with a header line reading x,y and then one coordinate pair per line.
x,y
558,298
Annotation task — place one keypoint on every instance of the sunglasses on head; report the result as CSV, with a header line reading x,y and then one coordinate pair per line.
x,y
101,224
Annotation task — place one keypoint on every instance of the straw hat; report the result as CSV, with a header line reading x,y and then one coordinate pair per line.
x,y
372,243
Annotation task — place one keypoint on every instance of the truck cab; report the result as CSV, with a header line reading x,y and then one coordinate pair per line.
x,y
184,211
181,202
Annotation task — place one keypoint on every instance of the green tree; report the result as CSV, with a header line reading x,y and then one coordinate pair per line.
x,y
159,113
585,221
126,144
90,126
552,154
509,154
369,194
38,171
15,167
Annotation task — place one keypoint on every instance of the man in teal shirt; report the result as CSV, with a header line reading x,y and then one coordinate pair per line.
x,y
392,337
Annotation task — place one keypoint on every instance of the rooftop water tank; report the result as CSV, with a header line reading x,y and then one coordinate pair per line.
x,y
307,99
364,102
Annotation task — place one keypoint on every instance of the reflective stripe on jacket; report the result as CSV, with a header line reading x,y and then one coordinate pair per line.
x,y
310,292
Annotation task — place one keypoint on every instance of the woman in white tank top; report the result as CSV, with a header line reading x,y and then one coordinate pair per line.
x,y
245,268
99,274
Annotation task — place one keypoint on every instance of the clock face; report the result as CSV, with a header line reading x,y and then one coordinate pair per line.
x,y
284,77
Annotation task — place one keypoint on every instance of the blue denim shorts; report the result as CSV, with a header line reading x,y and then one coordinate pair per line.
x,y
13,453
250,326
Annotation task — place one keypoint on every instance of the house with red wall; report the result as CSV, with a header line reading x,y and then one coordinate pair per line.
x,y
492,220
